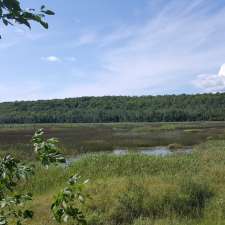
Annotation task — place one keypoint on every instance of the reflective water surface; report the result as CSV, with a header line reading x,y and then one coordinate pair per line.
x,y
151,151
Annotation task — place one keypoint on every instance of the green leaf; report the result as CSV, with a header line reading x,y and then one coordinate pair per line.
x,y
5,22
11,13
48,12
44,24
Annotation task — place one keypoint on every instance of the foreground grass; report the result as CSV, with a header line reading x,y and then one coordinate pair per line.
x,y
142,190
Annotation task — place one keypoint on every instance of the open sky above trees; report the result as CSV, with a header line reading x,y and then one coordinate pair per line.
x,y
115,47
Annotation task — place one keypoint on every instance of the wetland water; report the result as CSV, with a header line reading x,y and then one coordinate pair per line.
x,y
76,139
160,151
154,151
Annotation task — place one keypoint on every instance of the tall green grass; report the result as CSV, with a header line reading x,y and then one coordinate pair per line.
x,y
142,190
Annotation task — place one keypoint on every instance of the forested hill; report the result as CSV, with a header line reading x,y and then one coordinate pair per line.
x,y
116,109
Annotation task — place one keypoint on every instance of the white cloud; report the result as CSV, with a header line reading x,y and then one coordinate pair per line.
x,y
212,82
56,59
222,71
51,58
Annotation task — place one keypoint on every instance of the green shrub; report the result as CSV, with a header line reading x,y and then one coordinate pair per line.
x,y
192,198
129,204
125,200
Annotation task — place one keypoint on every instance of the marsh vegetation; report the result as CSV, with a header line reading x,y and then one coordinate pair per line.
x,y
131,189
141,190
77,139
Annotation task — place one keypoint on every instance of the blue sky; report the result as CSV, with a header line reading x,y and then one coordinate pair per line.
x,y
114,47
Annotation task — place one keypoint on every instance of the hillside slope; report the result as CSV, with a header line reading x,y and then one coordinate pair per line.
x,y
166,108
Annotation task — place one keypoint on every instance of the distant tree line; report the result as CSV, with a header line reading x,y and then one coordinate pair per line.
x,y
167,108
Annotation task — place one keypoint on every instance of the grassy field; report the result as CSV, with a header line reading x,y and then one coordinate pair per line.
x,y
142,190
134,189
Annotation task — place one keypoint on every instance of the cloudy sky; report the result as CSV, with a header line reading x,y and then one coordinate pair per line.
x,y
116,47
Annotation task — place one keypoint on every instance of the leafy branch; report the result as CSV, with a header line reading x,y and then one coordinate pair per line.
x,y
11,13
11,203
66,205
47,150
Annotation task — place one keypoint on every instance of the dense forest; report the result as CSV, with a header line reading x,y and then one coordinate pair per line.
x,y
166,108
